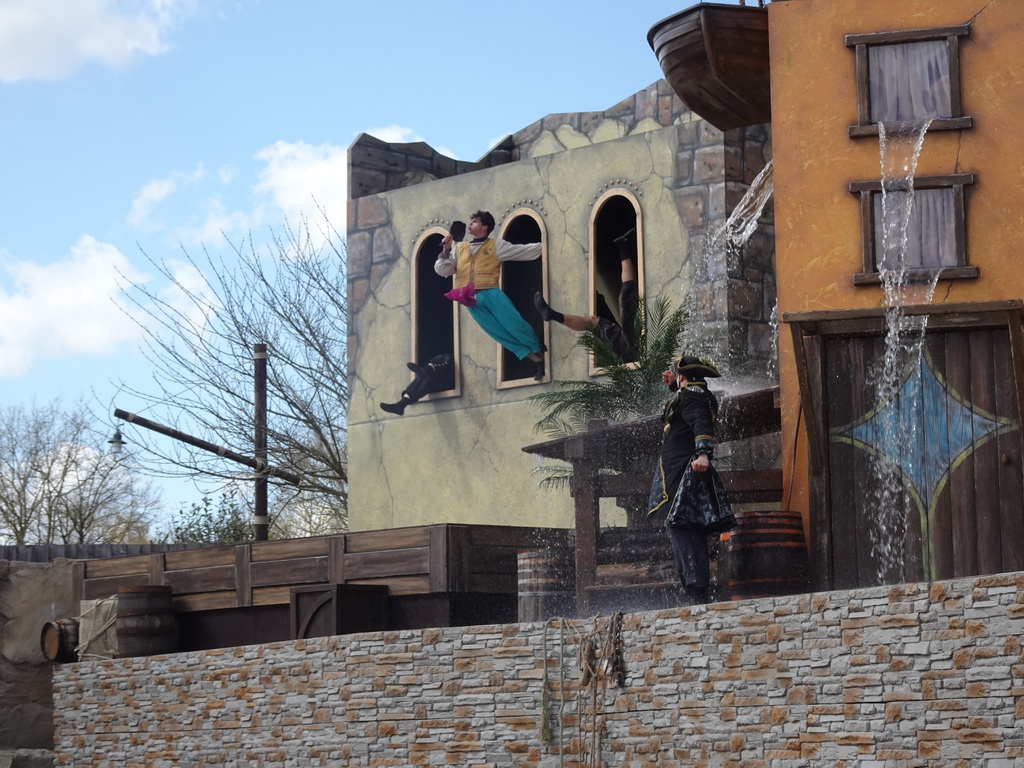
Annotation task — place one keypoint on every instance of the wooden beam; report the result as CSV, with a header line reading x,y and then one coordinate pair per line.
x,y
1013,323
588,522
243,589
183,437
336,559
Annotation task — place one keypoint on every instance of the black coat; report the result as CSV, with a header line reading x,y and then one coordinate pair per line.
x,y
690,499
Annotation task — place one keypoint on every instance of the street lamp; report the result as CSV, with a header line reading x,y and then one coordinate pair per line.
x,y
116,443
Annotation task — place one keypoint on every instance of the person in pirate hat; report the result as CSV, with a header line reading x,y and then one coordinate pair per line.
x,y
686,488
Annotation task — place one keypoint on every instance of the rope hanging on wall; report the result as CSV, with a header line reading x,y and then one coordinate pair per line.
x,y
600,662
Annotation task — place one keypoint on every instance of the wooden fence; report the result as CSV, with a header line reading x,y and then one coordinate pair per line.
x,y
409,561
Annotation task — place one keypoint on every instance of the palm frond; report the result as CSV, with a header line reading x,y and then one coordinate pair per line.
x,y
554,477
629,388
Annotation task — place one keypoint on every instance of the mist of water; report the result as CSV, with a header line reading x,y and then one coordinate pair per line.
x,y
772,370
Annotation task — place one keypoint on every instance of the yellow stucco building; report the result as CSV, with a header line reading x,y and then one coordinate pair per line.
x,y
838,69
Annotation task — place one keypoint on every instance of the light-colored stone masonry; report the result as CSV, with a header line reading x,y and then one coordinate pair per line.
x,y
913,675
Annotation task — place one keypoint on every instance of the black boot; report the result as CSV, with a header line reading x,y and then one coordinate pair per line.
x,y
697,595
417,369
539,375
546,312
396,408
626,244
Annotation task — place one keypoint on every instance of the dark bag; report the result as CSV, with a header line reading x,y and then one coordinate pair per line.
x,y
702,502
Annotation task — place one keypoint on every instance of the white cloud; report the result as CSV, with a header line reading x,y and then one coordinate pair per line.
x,y
296,180
300,178
64,308
51,39
157,191
395,133
189,295
218,222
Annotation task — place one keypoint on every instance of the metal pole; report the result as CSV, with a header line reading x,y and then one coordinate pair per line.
x,y
261,522
183,437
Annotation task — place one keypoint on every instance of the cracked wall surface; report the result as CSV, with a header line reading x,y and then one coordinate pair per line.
x,y
459,459
817,220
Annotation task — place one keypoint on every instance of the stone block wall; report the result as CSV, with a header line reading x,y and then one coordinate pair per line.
x,y
732,289
909,675
31,594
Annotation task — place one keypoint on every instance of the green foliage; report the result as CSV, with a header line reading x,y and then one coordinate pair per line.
x,y
553,477
629,389
204,523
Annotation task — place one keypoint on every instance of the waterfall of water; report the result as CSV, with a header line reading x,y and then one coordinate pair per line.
x,y
898,382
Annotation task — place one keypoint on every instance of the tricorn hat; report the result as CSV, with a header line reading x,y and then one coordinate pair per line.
x,y
696,369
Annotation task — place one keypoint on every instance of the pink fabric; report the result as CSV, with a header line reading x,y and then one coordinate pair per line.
x,y
465,296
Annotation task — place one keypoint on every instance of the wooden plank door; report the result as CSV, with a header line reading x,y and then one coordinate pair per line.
x,y
946,442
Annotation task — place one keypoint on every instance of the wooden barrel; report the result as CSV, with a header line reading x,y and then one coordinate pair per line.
x,y
547,583
146,624
59,640
766,555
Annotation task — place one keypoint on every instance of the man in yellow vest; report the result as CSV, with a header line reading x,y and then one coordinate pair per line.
x,y
476,267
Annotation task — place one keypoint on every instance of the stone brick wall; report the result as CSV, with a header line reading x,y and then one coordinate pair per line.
x,y
911,675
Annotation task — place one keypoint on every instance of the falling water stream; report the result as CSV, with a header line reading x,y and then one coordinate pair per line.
x,y
743,220
897,398
731,237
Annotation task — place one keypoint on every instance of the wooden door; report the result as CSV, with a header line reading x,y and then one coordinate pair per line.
x,y
924,479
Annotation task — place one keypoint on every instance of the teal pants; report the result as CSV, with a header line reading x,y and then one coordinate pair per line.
x,y
498,316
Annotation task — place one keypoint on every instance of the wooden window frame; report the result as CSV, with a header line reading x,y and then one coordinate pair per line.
x,y
499,367
455,391
861,43
595,210
868,189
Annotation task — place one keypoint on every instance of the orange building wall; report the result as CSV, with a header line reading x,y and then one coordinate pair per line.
x,y
817,219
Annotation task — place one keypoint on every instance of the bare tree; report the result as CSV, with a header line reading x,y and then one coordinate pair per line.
x,y
58,484
200,328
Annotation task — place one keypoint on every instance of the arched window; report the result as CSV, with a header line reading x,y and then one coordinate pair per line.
x,y
614,216
520,280
435,319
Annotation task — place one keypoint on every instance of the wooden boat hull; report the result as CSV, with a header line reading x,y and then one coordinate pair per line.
x,y
715,57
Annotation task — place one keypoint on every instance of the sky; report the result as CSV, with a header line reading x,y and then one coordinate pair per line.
x,y
152,126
